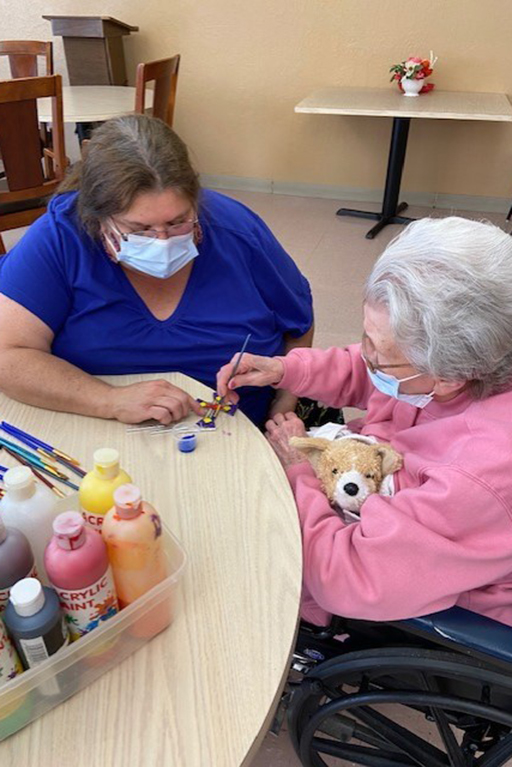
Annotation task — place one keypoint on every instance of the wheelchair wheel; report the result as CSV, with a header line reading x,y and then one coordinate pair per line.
x,y
365,707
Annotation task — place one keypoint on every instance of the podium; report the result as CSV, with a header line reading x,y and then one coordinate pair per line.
x,y
93,47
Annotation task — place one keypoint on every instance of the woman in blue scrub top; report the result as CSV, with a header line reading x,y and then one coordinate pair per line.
x,y
135,269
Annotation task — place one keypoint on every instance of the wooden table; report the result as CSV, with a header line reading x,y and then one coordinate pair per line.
x,y
91,103
202,693
389,102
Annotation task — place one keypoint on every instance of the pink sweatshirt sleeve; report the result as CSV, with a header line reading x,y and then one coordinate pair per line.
x,y
410,555
334,376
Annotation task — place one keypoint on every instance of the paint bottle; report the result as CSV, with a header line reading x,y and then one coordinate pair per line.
x,y
77,564
35,623
10,664
15,709
30,507
132,530
97,487
16,562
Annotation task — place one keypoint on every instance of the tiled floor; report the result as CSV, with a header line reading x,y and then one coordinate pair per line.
x,y
335,256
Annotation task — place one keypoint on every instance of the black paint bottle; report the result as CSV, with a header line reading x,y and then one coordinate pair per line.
x,y
35,623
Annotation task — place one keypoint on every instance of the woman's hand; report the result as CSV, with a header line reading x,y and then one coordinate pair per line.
x,y
158,400
252,371
279,431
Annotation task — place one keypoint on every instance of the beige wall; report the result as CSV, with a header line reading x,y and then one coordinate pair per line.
x,y
245,63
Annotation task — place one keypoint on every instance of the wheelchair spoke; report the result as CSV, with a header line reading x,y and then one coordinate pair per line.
x,y
419,749
457,758
498,755
345,728
455,755
360,755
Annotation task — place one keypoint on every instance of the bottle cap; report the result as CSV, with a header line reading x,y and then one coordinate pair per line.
x,y
18,478
127,499
106,462
69,530
27,597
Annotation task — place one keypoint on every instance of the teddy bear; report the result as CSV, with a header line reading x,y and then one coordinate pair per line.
x,y
350,469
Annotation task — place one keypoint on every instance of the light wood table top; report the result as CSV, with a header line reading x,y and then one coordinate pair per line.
x,y
202,693
390,102
90,103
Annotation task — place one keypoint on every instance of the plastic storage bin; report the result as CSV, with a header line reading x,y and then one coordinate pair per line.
x,y
38,690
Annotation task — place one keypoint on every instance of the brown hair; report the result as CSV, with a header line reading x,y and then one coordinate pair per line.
x,y
126,156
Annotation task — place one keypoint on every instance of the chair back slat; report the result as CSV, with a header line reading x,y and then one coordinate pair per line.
x,y
164,73
23,55
20,141
20,145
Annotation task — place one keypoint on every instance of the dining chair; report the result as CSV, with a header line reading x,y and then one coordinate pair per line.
x,y
164,73
29,180
23,56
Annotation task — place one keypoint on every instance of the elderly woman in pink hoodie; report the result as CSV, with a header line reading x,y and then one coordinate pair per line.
x,y
434,374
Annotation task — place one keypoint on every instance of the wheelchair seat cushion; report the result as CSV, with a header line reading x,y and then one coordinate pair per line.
x,y
456,626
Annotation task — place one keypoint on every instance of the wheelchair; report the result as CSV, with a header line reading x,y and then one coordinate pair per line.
x,y
369,700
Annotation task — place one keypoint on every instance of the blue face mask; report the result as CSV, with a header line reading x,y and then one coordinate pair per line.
x,y
388,384
158,258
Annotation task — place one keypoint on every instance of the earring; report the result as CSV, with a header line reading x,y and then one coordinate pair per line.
x,y
198,233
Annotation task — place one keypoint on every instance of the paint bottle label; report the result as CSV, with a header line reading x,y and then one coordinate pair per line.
x,y
84,609
10,665
93,520
4,593
38,649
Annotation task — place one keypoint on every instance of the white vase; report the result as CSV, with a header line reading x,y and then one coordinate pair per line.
x,y
411,87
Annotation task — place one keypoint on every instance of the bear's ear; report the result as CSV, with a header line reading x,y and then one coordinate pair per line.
x,y
309,444
391,460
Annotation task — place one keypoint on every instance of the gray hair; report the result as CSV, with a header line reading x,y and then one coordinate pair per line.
x,y
447,285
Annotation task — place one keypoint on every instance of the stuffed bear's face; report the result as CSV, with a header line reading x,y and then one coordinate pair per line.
x,y
350,472
349,469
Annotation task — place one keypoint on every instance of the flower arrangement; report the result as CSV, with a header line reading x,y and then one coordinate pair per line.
x,y
414,68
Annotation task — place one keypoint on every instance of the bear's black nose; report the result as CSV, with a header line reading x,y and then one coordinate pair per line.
x,y
351,488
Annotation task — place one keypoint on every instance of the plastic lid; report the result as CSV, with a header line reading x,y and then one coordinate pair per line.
x,y
127,499
18,478
106,462
27,597
106,456
69,530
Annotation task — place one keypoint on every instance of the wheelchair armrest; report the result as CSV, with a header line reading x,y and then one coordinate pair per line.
x,y
484,636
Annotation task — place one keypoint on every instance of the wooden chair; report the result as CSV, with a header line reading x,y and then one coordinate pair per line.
x,y
164,73
29,184
23,56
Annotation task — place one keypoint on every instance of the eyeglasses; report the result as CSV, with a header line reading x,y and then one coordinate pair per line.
x,y
171,230
375,367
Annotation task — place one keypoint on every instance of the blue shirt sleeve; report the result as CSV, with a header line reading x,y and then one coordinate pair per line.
x,y
34,275
280,283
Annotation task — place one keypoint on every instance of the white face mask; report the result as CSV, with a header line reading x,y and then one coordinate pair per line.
x,y
388,384
157,257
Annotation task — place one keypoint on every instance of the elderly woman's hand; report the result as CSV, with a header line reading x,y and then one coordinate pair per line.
x,y
158,400
253,370
279,430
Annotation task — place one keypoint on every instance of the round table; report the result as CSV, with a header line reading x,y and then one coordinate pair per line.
x,y
90,103
203,692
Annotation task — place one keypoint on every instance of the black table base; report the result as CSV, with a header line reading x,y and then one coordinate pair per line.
x,y
390,206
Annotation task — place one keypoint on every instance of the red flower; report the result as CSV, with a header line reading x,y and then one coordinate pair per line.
x,y
427,88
